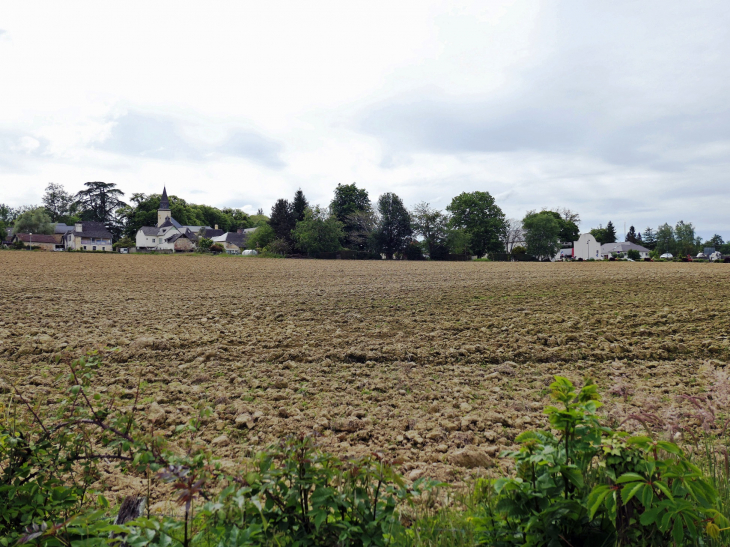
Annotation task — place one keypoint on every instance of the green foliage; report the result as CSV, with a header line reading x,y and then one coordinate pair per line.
x,y
282,219
318,232
479,216
590,485
217,248
605,235
34,221
458,242
60,204
205,244
393,230
347,205
432,225
665,240
633,254
648,239
261,238
542,233
125,242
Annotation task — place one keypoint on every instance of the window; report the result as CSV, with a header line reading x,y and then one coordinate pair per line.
x,y
84,247
153,240
93,248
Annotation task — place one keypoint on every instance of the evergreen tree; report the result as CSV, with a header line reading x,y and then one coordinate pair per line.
x,y
299,205
393,230
282,220
99,201
649,239
610,233
631,235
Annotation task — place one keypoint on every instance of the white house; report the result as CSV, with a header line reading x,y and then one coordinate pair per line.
x,y
169,234
607,249
586,248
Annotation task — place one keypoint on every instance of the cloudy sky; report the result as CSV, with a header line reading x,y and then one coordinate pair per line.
x,y
616,109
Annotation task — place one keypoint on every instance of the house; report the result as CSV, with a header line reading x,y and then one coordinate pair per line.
x,y
232,242
169,235
586,248
43,241
607,249
88,236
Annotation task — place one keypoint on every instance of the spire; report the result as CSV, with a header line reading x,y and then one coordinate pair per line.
x,y
164,203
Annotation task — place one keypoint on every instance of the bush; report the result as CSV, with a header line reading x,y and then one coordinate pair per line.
x,y
278,247
590,485
217,248
633,254
123,243
413,251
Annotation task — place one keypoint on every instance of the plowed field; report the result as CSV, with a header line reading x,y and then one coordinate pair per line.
x,y
442,364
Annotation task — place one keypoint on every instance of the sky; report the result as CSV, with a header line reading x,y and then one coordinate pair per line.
x,y
615,109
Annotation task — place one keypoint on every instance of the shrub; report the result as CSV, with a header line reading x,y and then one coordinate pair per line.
x,y
217,248
413,251
633,254
590,485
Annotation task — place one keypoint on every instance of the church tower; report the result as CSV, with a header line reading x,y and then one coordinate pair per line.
x,y
163,212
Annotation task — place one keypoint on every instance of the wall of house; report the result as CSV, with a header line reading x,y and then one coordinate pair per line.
x,y
586,248
143,241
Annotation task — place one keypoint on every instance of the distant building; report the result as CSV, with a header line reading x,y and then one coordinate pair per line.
x,y
586,248
608,249
169,234
88,236
233,242
42,241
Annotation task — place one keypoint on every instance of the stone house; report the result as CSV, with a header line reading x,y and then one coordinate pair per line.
x,y
88,236
169,235
233,242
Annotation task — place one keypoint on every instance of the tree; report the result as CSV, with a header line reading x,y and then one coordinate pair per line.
x,y
362,225
99,201
479,216
282,220
238,219
458,242
631,235
602,236
393,231
649,239
716,241
299,205
513,234
610,233
687,242
633,254
432,225
569,231
7,217
349,199
665,240
542,234
261,237
35,221
125,242
204,244
319,232
58,203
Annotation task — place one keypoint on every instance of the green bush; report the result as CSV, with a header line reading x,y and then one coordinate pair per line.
x,y
590,485
633,254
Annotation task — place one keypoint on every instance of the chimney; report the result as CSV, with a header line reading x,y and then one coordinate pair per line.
x,y
79,227
216,226
239,231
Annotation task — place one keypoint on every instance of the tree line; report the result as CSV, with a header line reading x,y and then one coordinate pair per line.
x,y
472,224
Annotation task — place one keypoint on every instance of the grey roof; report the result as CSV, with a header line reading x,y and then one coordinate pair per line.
x,y
93,229
622,247
231,237
164,203
250,230
149,230
196,229
210,233
61,228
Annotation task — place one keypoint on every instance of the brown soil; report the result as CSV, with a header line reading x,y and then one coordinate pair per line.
x,y
442,364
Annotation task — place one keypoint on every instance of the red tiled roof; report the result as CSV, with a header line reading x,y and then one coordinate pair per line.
x,y
35,238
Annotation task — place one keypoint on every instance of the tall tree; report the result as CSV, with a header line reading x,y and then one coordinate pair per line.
x,y
282,220
35,221
393,230
569,231
299,205
100,201
319,232
479,216
348,200
58,202
432,225
649,239
687,241
665,239
716,241
542,234
631,235
514,234
610,233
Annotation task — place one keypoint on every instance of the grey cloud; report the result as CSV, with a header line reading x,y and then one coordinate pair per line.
x,y
167,138
624,83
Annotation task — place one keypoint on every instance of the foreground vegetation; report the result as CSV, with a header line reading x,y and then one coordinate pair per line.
x,y
578,483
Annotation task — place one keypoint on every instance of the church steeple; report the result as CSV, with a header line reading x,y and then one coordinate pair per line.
x,y
163,211
164,203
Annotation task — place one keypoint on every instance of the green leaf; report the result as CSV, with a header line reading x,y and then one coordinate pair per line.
x,y
664,488
650,516
630,490
595,499
630,477
646,496
678,531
